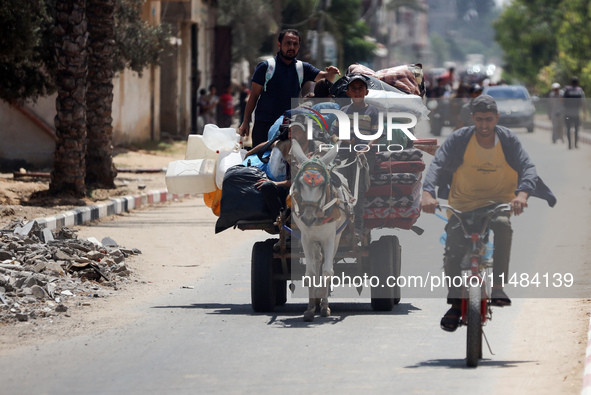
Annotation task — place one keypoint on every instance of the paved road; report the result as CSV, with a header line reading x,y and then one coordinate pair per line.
x,y
208,340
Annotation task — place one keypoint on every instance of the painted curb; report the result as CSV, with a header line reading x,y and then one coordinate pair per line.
x,y
87,214
587,372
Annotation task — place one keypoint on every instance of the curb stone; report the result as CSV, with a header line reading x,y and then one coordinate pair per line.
x,y
587,372
84,215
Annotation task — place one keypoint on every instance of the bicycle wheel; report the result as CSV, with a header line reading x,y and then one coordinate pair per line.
x,y
474,337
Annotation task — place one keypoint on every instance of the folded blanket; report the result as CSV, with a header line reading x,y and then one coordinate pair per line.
x,y
393,201
393,212
395,178
409,154
392,189
399,166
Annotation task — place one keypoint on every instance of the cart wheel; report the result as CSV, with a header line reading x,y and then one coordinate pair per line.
x,y
262,285
396,263
381,256
280,292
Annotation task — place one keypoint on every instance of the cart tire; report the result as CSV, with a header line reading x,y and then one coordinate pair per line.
x,y
381,256
280,292
262,284
396,263
474,336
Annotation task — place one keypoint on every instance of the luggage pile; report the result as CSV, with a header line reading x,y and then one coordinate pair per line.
x,y
207,159
394,196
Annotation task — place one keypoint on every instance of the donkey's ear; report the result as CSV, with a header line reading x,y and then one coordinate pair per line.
x,y
331,154
298,153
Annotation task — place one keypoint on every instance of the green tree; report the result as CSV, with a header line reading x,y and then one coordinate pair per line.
x,y
574,42
67,177
527,32
349,31
251,22
27,61
100,171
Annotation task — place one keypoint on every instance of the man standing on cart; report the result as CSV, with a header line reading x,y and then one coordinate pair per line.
x,y
275,82
475,166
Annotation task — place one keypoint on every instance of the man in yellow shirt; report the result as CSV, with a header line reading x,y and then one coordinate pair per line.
x,y
474,166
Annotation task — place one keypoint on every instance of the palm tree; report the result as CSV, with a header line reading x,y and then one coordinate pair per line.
x,y
100,171
69,168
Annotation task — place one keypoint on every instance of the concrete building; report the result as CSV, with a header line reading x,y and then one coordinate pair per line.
x,y
162,100
401,34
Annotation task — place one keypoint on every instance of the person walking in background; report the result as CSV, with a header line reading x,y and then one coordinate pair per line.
x,y
209,105
275,82
227,107
556,113
574,100
201,104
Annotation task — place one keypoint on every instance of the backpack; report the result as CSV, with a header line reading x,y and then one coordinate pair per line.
x,y
271,71
575,96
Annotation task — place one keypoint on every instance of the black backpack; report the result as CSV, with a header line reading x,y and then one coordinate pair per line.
x,y
575,95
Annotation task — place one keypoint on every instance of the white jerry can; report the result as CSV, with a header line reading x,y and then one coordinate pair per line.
x,y
216,139
191,176
196,148
227,159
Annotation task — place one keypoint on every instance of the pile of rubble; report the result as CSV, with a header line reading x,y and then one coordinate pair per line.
x,y
43,274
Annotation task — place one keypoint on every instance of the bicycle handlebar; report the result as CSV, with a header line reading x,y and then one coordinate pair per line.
x,y
504,207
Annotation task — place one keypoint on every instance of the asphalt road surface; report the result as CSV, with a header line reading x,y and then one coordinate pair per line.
x,y
208,340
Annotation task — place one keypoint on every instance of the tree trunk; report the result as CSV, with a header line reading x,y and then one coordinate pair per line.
x,y
69,167
100,171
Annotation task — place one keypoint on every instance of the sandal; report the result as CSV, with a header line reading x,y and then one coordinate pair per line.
x,y
451,319
499,298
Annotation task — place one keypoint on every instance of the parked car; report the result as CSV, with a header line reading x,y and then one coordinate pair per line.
x,y
516,107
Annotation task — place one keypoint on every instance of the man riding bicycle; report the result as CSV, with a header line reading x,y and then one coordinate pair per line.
x,y
476,166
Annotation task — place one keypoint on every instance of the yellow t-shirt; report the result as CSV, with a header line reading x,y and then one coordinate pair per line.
x,y
484,177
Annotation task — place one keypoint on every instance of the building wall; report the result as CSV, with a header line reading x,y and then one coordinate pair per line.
x,y
132,120
23,140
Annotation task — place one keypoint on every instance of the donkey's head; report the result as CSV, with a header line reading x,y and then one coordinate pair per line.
x,y
311,187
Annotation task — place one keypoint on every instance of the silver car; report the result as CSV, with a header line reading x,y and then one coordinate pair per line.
x,y
516,107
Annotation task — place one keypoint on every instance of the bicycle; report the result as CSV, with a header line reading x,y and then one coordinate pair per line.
x,y
477,272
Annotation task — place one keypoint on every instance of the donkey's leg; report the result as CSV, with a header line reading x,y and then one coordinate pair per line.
x,y
329,249
312,277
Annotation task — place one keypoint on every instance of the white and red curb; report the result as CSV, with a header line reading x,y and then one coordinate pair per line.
x,y
86,214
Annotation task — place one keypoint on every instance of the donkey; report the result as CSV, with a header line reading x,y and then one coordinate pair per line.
x,y
320,211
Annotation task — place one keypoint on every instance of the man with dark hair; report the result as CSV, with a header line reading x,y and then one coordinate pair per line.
x,y
275,82
475,166
574,100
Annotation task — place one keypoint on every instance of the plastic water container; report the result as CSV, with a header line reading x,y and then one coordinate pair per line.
x,y
217,139
488,251
191,176
196,149
227,159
